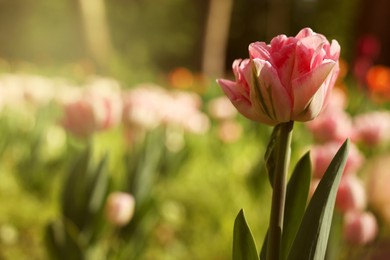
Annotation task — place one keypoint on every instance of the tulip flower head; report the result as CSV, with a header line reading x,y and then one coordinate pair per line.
x,y
288,79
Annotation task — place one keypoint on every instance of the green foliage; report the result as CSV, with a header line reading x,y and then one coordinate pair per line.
x,y
83,201
244,247
305,232
296,199
312,237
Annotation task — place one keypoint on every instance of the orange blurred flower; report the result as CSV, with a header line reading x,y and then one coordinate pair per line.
x,y
181,78
378,81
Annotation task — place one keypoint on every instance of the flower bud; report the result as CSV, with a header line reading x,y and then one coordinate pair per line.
x,y
120,208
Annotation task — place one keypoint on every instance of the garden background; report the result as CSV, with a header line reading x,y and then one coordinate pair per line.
x,y
104,96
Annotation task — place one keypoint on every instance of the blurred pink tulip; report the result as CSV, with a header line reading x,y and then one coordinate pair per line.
x,y
331,126
351,194
372,128
322,155
360,228
120,208
96,107
107,103
288,79
79,118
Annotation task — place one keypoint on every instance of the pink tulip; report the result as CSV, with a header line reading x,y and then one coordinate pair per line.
x,y
331,126
360,228
120,208
79,118
351,194
322,155
288,79
89,112
372,128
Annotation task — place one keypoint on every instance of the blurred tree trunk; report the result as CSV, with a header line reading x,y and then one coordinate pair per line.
x,y
216,37
97,36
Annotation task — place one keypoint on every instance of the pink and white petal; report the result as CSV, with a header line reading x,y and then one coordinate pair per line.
x,y
314,107
305,32
274,100
242,104
306,86
259,50
313,41
302,61
279,41
284,61
334,51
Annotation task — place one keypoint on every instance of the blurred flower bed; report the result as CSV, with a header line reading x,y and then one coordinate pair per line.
x,y
98,170
101,171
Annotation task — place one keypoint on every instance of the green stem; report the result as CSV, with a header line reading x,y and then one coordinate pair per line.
x,y
279,190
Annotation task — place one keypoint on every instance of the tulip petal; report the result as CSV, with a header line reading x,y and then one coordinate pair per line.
x,y
313,41
268,94
314,107
306,86
259,50
242,104
305,32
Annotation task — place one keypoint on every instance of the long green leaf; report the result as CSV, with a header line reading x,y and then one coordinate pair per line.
x,y
74,202
263,252
244,247
296,199
312,237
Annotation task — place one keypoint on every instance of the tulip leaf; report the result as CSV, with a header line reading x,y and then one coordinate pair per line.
x,y
296,198
74,201
263,252
270,154
62,242
244,247
312,237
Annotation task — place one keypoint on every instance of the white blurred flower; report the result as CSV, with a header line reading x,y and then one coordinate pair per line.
x,y
148,106
221,108
120,208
